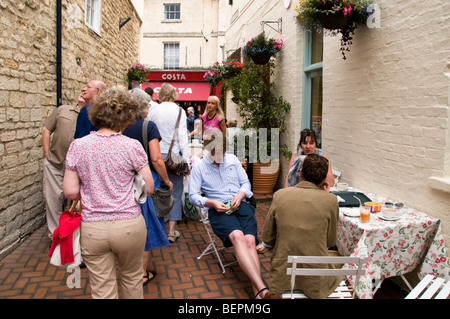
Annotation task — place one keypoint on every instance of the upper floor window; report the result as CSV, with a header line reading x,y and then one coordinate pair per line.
x,y
171,56
93,14
172,11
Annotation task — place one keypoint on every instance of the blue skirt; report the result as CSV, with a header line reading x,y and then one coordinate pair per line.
x,y
156,235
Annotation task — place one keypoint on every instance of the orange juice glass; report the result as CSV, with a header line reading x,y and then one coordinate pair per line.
x,y
365,214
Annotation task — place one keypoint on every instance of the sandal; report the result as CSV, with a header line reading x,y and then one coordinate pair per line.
x,y
148,277
261,249
268,295
174,236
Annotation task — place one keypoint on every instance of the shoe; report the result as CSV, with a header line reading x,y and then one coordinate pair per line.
x,y
267,295
148,272
261,249
174,236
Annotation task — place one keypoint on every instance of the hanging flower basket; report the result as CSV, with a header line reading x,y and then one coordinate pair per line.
x,y
336,21
338,16
261,58
260,49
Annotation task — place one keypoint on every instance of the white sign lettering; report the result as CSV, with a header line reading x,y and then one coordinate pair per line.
x,y
176,77
180,90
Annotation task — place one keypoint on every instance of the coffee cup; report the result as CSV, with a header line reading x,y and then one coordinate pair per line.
x,y
389,212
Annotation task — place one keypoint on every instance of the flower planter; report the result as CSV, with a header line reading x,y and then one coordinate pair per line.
x,y
261,58
135,84
265,176
335,21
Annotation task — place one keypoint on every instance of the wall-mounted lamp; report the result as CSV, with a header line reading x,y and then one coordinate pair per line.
x,y
123,21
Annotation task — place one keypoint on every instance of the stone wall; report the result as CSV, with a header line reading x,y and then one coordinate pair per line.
x,y
28,91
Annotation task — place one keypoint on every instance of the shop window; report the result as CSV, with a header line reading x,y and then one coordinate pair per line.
x,y
171,56
313,84
172,12
92,15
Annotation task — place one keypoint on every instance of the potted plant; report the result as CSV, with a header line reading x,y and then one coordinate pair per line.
x,y
260,49
224,70
136,75
337,16
260,108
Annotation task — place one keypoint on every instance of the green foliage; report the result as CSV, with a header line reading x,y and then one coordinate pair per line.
x,y
137,72
258,105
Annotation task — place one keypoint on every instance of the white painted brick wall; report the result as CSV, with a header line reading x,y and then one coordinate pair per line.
x,y
386,108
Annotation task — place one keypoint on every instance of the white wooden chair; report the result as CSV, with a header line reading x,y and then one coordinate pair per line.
x,y
430,287
211,248
342,291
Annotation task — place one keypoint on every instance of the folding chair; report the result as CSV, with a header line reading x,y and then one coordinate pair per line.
x,y
342,291
430,287
211,248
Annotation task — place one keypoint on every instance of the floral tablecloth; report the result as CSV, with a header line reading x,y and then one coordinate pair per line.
x,y
394,248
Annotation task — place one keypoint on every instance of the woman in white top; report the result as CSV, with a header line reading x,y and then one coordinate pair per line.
x,y
165,117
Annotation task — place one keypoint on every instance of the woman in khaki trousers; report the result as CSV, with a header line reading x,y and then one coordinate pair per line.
x,y
100,168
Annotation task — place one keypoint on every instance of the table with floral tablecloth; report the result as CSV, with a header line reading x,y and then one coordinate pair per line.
x,y
395,247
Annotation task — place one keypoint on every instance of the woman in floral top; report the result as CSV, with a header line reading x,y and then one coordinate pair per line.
x,y
100,168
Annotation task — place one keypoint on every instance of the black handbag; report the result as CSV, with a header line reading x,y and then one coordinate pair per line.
x,y
162,197
176,163
163,201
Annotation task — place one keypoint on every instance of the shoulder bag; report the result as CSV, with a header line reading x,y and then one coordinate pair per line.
x,y
162,198
176,163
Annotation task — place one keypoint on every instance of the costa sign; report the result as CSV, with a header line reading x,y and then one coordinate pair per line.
x,y
174,76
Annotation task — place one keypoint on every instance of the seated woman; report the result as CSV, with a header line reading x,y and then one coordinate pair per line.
x,y
308,230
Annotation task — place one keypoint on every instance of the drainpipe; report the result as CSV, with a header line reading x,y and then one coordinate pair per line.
x,y
58,53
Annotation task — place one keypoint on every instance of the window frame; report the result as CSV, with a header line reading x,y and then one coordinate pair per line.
x,y
166,13
92,15
310,71
167,65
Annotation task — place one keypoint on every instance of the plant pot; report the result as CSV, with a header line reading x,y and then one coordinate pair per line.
x,y
336,21
135,84
265,176
261,58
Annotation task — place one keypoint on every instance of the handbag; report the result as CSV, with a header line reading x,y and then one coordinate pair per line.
x,y
163,201
55,250
176,163
162,198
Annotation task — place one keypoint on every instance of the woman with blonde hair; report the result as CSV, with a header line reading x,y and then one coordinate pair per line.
x,y
100,168
165,117
213,117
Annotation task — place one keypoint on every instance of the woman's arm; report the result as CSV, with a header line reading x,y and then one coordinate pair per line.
x,y
148,178
71,184
158,162
290,165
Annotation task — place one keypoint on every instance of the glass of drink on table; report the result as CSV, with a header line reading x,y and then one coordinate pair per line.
x,y
364,213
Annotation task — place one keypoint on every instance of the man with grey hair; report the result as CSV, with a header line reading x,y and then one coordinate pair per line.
x,y
90,91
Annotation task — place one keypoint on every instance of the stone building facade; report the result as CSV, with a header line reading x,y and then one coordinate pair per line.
x,y
28,90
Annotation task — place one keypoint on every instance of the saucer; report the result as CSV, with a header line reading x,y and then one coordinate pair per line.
x,y
381,216
350,212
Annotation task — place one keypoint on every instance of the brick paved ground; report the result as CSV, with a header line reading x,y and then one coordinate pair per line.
x,y
27,274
